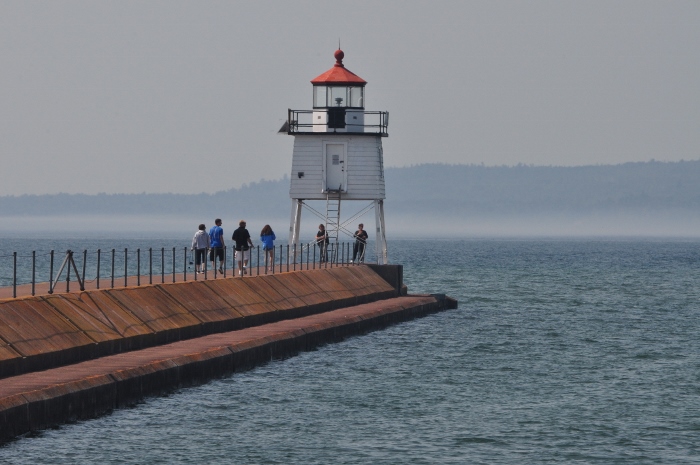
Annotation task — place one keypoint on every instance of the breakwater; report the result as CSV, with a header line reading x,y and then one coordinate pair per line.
x,y
104,349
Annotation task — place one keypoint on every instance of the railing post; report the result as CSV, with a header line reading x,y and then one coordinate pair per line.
x,y
287,258
138,266
114,251
184,265
206,265
98,268
126,271
51,275
14,274
82,278
162,265
69,256
294,251
33,270
150,265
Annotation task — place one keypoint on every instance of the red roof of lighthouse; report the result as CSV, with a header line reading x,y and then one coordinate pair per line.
x,y
338,74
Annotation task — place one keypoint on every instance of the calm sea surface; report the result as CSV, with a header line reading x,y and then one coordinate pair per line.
x,y
561,351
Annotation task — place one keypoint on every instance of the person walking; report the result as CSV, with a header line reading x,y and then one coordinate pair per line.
x,y
243,243
358,249
267,237
216,239
322,242
200,244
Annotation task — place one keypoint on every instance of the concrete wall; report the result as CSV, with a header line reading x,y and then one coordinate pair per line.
x,y
135,342
37,333
36,401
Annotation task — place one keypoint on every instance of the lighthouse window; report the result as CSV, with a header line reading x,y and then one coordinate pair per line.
x,y
338,97
320,96
356,97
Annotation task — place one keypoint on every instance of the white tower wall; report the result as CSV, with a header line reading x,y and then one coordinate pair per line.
x,y
360,164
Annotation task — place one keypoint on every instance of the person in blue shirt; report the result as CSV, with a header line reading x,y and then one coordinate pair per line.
x,y
267,237
216,239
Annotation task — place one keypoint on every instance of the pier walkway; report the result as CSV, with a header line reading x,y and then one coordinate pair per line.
x,y
39,400
76,356
42,288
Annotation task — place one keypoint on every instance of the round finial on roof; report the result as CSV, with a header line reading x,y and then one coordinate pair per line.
x,y
339,57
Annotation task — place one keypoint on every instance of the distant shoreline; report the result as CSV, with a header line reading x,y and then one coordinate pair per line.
x,y
650,199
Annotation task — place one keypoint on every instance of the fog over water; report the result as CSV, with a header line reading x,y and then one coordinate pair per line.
x,y
431,200
436,226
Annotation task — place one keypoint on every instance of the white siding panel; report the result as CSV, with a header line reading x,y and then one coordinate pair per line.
x,y
363,165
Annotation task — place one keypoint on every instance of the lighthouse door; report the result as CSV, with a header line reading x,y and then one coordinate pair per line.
x,y
335,167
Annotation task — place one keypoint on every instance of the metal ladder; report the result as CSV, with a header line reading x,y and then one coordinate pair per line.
x,y
333,221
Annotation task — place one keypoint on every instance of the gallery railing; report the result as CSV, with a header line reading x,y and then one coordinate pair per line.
x,y
121,268
348,121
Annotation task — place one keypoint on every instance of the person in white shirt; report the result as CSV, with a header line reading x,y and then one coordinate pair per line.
x,y
200,244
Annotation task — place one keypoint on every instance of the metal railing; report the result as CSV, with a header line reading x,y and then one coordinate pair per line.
x,y
102,269
373,122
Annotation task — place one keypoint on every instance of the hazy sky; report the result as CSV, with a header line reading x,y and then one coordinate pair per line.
x,y
172,96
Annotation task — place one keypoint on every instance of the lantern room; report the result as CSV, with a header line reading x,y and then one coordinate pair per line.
x,y
339,87
339,99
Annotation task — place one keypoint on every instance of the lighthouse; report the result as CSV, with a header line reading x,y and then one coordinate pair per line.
x,y
338,155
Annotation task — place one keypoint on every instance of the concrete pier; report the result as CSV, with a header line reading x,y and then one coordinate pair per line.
x,y
101,350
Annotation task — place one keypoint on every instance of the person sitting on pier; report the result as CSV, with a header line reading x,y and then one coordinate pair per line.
x,y
242,238
200,244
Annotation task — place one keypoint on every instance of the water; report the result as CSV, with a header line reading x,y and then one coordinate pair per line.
x,y
561,351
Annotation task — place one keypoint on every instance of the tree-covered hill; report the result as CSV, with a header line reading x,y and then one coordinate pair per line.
x,y
425,190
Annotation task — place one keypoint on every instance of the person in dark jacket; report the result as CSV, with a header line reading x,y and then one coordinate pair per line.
x,y
243,245
358,249
322,241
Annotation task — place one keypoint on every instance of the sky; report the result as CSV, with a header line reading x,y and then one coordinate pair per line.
x,y
188,96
